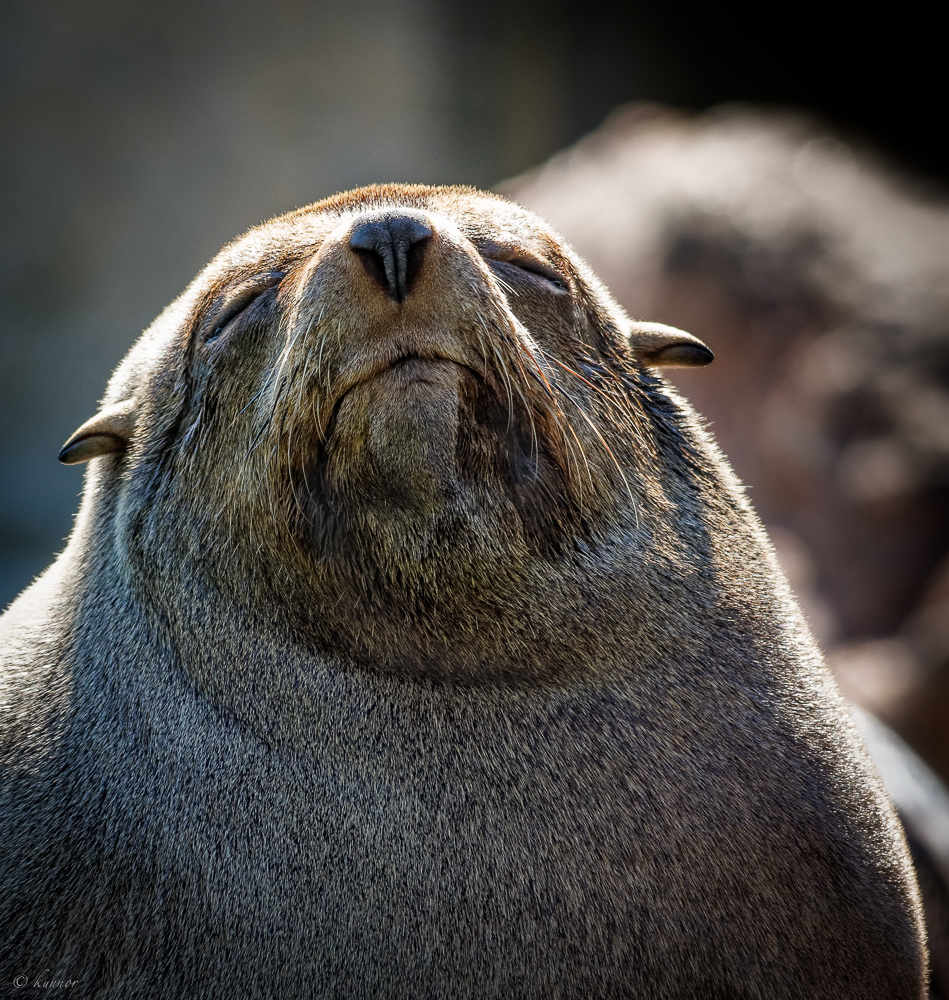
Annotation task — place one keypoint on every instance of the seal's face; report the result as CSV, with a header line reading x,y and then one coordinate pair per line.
x,y
400,400
404,363
407,391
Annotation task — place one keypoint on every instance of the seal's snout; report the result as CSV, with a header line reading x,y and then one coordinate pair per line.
x,y
391,247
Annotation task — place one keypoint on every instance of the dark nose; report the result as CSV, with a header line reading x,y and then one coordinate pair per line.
x,y
391,246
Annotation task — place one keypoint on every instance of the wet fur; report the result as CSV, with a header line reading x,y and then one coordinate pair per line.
x,y
473,678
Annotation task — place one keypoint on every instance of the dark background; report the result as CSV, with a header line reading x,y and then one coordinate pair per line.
x,y
139,137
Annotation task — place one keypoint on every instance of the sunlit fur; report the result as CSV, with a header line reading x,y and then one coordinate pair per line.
x,y
427,649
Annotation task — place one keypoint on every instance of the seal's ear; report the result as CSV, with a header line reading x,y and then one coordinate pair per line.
x,y
662,346
107,433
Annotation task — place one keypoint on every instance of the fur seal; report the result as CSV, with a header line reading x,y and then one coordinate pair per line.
x,y
414,640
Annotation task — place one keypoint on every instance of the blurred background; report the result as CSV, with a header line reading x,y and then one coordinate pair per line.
x,y
138,137
770,178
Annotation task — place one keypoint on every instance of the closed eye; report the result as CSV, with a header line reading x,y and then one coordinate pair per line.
x,y
513,262
240,299
537,272
541,271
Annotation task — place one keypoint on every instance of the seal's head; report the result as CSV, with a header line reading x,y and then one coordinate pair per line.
x,y
411,613
382,416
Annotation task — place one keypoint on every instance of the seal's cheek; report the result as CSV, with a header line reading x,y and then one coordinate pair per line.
x,y
395,437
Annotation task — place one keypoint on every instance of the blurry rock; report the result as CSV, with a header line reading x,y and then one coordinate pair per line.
x,y
881,675
820,279
922,801
924,714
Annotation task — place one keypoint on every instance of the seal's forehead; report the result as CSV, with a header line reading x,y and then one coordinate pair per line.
x,y
454,201
479,215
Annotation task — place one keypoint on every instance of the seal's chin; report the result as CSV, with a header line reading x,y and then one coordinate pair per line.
x,y
421,441
395,436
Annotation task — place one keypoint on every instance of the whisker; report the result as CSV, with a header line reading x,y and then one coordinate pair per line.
x,y
505,376
253,399
613,402
609,452
509,290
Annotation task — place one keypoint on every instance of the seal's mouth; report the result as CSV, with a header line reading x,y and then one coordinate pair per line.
x,y
425,368
411,365
419,431
403,370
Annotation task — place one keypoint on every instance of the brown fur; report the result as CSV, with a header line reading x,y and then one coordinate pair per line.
x,y
427,649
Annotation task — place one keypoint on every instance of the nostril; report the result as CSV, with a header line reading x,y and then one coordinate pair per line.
x,y
391,247
365,244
